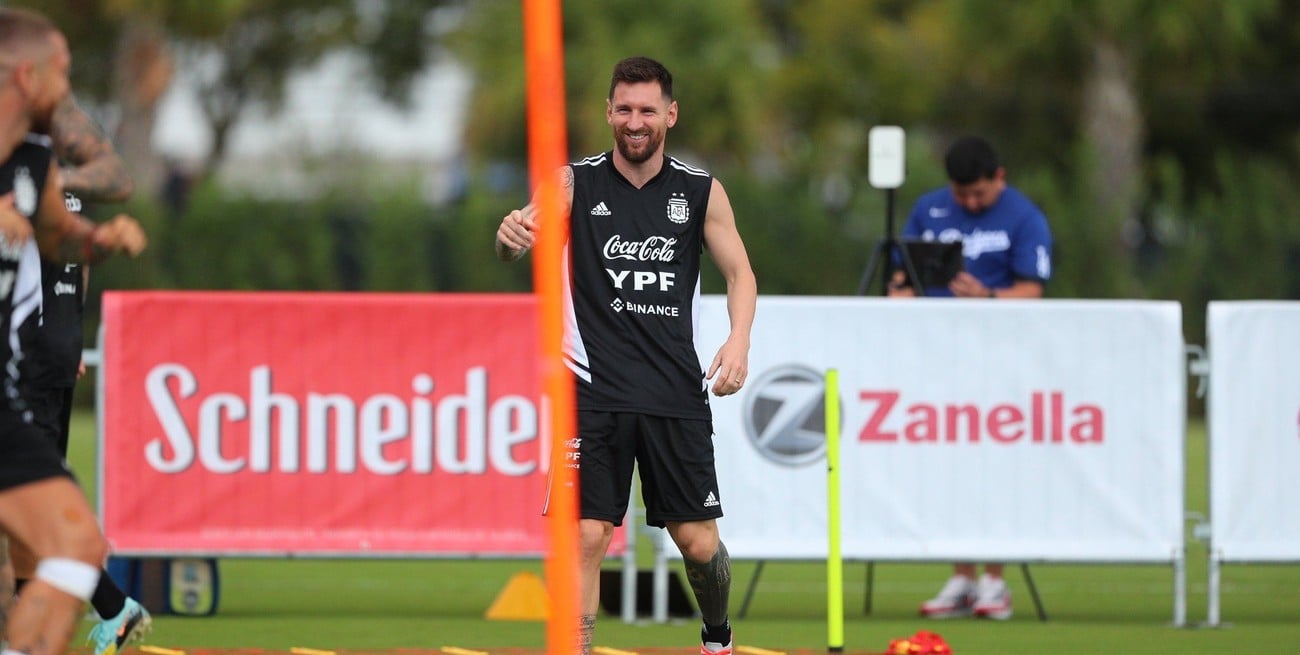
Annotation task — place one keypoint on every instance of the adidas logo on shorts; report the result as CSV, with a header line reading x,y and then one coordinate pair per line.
x,y
711,501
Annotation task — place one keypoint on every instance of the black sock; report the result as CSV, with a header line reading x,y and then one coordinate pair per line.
x,y
718,634
108,600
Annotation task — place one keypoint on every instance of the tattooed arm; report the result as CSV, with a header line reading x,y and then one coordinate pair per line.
x,y
63,236
92,168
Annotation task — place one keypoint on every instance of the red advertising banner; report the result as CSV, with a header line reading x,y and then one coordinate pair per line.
x,y
322,424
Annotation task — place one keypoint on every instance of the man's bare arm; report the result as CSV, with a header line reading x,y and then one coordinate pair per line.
x,y
92,168
63,236
6,584
517,232
730,366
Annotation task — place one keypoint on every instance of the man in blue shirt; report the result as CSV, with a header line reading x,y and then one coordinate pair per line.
x,y
1006,244
1007,253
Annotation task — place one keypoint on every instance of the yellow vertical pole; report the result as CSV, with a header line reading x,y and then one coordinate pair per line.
x,y
834,556
547,152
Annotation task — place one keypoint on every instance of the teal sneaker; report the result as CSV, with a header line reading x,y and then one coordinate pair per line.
x,y
130,625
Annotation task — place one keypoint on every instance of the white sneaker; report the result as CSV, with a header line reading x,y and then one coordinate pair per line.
x,y
715,648
992,598
956,599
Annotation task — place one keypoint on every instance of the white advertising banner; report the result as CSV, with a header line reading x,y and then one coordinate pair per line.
x,y
1254,430
1018,431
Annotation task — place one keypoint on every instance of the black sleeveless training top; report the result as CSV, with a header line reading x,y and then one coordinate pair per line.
x,y
24,174
634,289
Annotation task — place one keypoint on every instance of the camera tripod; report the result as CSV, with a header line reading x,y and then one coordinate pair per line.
x,y
884,253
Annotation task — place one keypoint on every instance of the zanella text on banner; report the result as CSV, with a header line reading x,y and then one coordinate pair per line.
x,y
1045,420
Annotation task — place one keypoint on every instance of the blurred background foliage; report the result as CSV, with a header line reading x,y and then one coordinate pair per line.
x,y
1161,137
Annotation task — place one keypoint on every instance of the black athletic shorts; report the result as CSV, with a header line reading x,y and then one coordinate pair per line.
x,y
52,413
675,456
26,454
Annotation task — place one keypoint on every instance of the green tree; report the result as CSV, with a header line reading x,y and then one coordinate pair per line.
x,y
1159,137
1079,97
1053,74
126,54
715,49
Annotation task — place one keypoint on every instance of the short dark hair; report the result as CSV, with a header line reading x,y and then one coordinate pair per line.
x,y
971,159
23,30
642,69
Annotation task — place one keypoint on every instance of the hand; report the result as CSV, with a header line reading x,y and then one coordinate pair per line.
x,y
121,234
518,229
14,227
81,369
966,285
730,367
898,287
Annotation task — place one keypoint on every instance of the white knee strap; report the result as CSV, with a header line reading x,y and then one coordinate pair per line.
x,y
69,576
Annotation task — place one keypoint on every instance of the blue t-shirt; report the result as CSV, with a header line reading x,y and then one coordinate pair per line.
x,y
1007,242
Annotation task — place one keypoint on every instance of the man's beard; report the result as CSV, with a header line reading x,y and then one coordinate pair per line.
x,y
625,148
43,121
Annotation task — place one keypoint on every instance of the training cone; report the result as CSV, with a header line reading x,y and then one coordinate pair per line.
x,y
522,599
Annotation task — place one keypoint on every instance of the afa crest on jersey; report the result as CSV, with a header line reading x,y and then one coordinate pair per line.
x,y
24,191
679,211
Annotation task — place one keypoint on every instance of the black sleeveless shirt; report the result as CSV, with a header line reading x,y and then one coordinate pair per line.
x,y
24,174
634,289
56,351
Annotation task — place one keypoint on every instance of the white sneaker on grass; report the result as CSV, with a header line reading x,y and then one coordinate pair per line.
x,y
956,599
992,598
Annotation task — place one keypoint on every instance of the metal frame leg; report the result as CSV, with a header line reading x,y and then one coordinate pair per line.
x,y
871,579
1033,592
1180,589
1213,583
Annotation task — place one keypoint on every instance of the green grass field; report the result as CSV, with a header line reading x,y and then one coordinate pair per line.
x,y
367,605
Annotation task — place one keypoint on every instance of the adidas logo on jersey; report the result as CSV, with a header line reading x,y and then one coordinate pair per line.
x,y
711,501
600,210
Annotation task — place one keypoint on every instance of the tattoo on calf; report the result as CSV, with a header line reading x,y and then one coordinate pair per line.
x,y
711,582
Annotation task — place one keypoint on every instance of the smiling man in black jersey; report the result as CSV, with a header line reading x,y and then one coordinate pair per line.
x,y
639,220
41,506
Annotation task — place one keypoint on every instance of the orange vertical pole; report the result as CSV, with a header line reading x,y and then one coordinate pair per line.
x,y
547,152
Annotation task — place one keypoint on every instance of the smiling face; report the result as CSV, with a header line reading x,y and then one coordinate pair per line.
x,y
640,115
